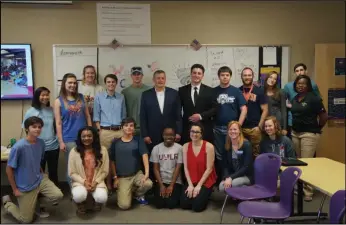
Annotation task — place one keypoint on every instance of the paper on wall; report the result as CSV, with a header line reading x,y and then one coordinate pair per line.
x,y
128,23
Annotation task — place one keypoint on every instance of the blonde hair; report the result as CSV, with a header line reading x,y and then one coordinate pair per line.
x,y
241,138
276,125
84,71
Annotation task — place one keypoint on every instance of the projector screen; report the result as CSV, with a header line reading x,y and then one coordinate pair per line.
x,y
16,72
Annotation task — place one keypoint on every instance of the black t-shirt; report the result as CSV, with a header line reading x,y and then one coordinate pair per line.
x,y
254,103
305,113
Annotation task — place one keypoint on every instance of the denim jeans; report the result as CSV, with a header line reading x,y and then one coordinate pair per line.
x,y
220,133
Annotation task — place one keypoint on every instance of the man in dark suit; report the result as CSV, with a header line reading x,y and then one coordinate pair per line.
x,y
160,108
199,104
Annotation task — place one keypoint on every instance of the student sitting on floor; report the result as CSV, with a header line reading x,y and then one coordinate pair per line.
x,y
273,140
167,158
198,156
25,174
127,155
237,159
88,166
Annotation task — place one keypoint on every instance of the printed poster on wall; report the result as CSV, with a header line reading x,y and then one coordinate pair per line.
x,y
336,107
127,23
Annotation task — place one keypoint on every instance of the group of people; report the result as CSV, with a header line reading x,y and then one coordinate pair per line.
x,y
180,144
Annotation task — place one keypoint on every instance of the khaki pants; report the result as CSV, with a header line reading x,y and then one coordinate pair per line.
x,y
28,200
305,144
128,185
107,136
254,136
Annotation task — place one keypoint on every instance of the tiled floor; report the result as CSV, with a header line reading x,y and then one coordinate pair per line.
x,y
65,213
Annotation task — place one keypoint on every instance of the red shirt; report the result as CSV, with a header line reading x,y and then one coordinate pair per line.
x,y
197,165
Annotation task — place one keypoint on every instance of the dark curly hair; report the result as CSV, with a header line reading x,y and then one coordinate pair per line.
x,y
96,146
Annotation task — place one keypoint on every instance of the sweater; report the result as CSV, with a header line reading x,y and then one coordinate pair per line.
x,y
77,173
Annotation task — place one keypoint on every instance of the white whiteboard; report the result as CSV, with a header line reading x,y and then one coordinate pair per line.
x,y
68,59
174,60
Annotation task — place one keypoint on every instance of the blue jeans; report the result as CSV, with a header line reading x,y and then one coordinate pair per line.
x,y
220,133
69,146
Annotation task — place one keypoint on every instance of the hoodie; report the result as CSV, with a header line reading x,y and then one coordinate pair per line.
x,y
281,146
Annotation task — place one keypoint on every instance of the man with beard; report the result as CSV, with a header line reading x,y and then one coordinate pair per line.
x,y
257,109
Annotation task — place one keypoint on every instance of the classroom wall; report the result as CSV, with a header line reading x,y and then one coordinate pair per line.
x,y
298,24
332,143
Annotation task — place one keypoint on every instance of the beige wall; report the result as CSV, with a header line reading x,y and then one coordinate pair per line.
x,y
332,143
298,24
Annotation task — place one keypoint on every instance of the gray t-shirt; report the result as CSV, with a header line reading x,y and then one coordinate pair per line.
x,y
127,155
168,158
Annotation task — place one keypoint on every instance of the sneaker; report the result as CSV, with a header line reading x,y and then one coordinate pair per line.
x,y
42,213
6,199
142,201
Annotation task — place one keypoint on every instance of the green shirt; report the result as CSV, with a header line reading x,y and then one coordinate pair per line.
x,y
133,101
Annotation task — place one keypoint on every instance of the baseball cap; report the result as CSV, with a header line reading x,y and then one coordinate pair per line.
x,y
136,69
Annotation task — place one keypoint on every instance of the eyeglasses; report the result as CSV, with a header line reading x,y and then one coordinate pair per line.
x,y
195,132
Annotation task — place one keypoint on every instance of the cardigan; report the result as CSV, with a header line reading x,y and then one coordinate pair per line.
x,y
77,173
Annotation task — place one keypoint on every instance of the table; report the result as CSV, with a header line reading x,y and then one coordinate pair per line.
x,y
325,175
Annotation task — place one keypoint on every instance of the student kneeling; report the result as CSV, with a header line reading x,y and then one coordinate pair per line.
x,y
237,159
127,154
88,166
167,158
199,170
26,176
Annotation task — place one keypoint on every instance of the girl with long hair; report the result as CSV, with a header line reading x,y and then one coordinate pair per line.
x,y
276,99
237,159
89,86
71,114
40,107
88,166
274,142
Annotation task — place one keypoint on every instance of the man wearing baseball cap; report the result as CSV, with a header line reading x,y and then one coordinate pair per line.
x,y
133,95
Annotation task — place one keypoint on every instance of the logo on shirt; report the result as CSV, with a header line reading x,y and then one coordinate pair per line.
x,y
168,156
304,104
224,99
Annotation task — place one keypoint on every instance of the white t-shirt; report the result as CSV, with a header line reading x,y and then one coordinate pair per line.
x,y
168,158
89,92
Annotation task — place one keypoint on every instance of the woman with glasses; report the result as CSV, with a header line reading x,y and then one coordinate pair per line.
x,y
198,157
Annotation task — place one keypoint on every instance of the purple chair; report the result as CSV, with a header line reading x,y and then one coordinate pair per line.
x,y
337,207
278,211
266,170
